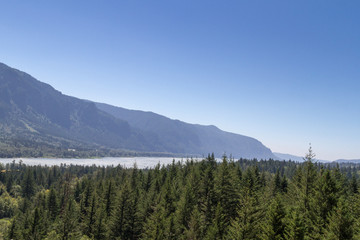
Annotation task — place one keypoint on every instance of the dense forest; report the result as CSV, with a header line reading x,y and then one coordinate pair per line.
x,y
233,199
12,147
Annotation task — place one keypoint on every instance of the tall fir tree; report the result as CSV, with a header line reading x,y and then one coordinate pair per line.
x,y
295,228
341,223
227,194
274,227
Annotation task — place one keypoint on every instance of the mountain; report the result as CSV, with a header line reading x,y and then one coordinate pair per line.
x,y
287,157
347,161
179,136
34,111
34,114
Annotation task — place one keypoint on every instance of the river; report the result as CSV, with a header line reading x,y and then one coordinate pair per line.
x,y
141,162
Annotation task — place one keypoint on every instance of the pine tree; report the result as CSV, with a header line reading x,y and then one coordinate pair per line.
x,y
52,204
195,226
86,199
341,223
185,206
284,184
207,194
100,226
154,226
309,179
274,228
308,191
91,219
37,230
69,218
277,183
124,221
109,197
217,228
227,195
14,231
247,224
77,192
326,195
295,229
354,187
28,185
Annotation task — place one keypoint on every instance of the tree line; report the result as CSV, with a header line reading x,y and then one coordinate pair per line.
x,y
242,199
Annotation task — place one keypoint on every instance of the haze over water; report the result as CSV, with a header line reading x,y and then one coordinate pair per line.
x,y
128,162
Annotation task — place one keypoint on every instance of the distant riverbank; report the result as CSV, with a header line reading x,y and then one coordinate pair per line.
x,y
141,162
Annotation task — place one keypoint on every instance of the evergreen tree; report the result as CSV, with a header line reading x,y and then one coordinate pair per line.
x,y
295,229
91,219
28,184
69,218
37,226
247,224
309,179
274,228
341,223
195,226
284,184
77,192
13,231
124,218
109,196
308,190
326,195
277,183
185,206
100,229
207,194
217,228
354,187
227,195
52,204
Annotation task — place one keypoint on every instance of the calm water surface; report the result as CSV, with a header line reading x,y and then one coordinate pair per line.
x,y
141,162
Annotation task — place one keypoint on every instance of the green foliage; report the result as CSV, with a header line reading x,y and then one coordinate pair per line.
x,y
8,205
247,223
341,223
327,195
4,225
246,199
28,185
295,229
274,227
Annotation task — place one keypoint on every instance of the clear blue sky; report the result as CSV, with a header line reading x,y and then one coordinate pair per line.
x,y
284,72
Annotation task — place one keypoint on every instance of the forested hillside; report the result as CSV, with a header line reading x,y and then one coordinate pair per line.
x,y
244,199
182,137
38,121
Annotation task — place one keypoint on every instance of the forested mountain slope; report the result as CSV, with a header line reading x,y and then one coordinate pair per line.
x,y
34,116
179,136
32,111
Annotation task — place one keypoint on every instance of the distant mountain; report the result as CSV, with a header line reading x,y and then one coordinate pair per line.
x,y
287,157
34,114
178,136
347,161
294,158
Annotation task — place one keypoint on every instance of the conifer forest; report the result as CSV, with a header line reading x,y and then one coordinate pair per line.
x,y
232,199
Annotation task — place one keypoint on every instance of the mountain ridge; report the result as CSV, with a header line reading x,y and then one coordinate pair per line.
x,y
202,136
286,157
33,112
